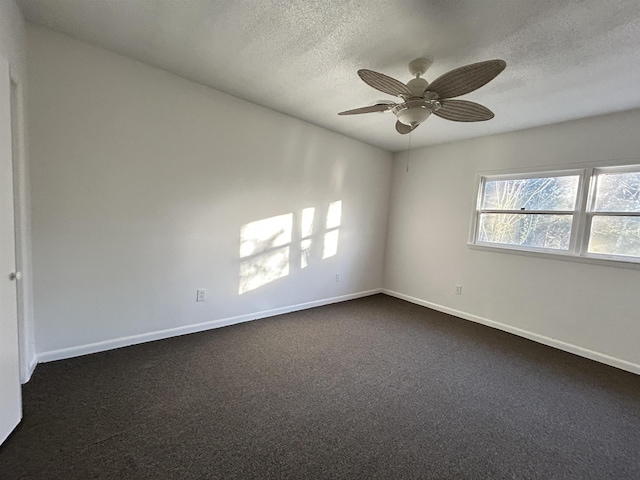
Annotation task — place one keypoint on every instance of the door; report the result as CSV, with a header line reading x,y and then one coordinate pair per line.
x,y
10,395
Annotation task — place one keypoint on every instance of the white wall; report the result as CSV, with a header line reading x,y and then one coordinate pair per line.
x,y
592,310
12,48
142,182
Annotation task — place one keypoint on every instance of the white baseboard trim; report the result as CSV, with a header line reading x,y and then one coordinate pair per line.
x,y
79,350
567,347
33,363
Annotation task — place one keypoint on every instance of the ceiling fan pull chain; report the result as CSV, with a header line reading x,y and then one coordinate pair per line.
x,y
409,151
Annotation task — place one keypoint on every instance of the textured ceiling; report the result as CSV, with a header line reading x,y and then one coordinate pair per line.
x,y
566,59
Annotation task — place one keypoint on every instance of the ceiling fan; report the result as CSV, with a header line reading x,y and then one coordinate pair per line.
x,y
421,99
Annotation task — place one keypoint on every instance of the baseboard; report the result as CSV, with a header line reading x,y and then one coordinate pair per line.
x,y
184,330
567,347
33,363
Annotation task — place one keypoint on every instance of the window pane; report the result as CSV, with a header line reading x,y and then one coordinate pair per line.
x,y
528,230
549,193
615,236
618,192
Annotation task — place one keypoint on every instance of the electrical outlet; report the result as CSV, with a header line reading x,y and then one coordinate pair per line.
x,y
201,295
458,289
337,277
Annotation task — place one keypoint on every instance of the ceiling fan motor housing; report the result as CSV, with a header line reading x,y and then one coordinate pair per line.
x,y
417,86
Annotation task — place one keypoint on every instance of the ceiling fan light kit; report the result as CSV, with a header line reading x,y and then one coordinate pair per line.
x,y
414,112
421,99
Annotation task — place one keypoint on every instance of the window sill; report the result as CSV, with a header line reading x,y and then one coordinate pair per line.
x,y
607,262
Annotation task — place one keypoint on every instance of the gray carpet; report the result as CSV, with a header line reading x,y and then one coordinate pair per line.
x,y
375,388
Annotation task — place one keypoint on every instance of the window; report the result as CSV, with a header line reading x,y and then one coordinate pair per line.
x,y
614,218
591,212
529,212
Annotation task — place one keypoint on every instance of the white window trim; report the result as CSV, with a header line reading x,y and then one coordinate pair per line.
x,y
582,216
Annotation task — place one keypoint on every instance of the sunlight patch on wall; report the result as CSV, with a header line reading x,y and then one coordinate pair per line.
x,y
330,244
265,250
334,217
334,214
269,248
308,215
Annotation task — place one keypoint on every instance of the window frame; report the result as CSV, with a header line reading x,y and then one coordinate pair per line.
x,y
583,215
590,212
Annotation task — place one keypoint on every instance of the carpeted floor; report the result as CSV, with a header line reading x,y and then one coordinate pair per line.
x,y
375,388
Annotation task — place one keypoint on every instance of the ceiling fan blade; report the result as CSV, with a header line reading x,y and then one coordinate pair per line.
x,y
404,129
463,111
466,79
384,83
380,107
